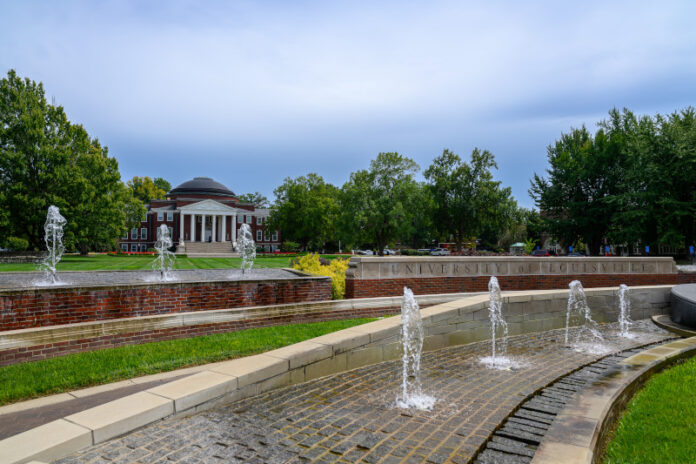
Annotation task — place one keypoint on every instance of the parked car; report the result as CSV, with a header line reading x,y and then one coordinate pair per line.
x,y
363,252
388,252
540,253
439,252
575,254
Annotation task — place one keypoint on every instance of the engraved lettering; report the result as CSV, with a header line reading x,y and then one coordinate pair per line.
x,y
444,268
409,269
455,268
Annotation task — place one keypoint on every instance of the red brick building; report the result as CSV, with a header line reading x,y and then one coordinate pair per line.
x,y
203,217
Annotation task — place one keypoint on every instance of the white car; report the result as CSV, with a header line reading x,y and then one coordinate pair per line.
x,y
440,252
388,252
363,252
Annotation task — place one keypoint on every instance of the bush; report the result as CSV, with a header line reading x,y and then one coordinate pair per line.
x,y
17,244
336,269
291,247
415,253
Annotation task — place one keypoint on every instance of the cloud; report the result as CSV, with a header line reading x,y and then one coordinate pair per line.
x,y
305,85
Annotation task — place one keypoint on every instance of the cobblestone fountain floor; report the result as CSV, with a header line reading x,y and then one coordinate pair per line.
x,y
351,417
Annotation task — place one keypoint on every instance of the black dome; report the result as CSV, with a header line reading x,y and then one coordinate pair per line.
x,y
202,185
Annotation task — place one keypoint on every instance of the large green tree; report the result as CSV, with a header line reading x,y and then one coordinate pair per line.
x,y
575,199
257,199
145,189
379,203
467,200
305,210
45,160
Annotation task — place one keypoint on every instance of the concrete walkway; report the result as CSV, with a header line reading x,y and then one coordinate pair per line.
x,y
351,416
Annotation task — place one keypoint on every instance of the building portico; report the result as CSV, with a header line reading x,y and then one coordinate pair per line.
x,y
203,217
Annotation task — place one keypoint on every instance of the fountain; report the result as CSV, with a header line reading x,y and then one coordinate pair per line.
x,y
499,330
246,247
625,321
578,313
412,346
165,258
53,236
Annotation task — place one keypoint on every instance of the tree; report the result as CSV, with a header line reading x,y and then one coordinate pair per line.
x,y
162,184
256,198
575,201
45,160
468,201
305,210
145,189
134,210
378,204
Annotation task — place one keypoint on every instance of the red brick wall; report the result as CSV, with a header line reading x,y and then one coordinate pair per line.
x,y
54,306
368,288
52,350
686,278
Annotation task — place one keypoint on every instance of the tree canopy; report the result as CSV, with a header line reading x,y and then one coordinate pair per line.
x,y
379,203
146,189
467,201
46,160
631,182
305,210
257,199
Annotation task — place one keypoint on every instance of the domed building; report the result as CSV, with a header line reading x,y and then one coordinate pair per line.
x,y
204,218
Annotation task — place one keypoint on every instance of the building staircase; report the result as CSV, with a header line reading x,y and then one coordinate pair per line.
x,y
208,249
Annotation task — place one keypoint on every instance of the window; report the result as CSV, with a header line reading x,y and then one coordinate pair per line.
x,y
125,234
275,236
171,232
143,247
134,233
143,233
259,220
124,246
267,237
258,236
170,216
249,219
134,247
160,216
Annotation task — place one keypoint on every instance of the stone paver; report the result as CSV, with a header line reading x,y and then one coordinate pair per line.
x,y
351,417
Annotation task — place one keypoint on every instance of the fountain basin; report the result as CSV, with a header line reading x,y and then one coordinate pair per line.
x,y
683,305
106,295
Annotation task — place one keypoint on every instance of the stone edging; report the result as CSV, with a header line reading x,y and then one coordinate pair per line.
x,y
457,322
580,431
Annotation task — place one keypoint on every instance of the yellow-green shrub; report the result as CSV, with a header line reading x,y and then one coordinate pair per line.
x,y
336,269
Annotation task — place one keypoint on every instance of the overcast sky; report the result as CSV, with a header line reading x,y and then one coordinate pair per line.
x,y
252,92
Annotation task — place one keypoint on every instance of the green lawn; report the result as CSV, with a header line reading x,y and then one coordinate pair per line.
x,y
659,425
28,380
116,263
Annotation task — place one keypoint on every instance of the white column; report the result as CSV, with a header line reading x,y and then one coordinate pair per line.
x,y
193,227
202,227
181,227
214,228
234,227
224,228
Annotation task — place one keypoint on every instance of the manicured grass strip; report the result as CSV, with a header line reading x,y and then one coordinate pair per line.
x,y
27,380
115,263
659,425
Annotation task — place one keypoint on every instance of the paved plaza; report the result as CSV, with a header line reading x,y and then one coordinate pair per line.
x,y
352,417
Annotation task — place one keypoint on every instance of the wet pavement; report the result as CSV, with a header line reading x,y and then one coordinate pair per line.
x,y
352,417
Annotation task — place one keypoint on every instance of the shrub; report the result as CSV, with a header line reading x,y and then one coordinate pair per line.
x,y
17,243
407,252
336,269
291,247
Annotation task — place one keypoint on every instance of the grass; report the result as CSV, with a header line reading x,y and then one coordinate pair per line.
x,y
659,424
33,379
101,262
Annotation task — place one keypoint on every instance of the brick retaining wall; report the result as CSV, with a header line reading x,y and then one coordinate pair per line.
x,y
365,288
37,307
52,350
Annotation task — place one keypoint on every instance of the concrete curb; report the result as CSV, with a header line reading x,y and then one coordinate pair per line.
x,y
579,432
454,323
